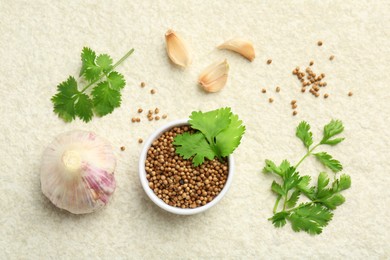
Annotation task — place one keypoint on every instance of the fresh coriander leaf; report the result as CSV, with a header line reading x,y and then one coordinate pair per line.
x,y
88,57
342,184
116,80
333,201
92,73
322,183
210,123
335,127
333,141
105,99
193,145
303,186
270,167
279,219
104,61
83,107
292,201
284,166
275,187
310,218
291,179
64,100
327,160
229,138
303,133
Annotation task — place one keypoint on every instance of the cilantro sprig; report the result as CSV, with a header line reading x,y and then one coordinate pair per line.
x,y
314,215
97,71
219,134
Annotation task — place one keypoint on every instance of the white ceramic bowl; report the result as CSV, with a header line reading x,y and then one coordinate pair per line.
x,y
157,200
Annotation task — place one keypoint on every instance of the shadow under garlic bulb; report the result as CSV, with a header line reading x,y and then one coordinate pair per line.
x,y
77,172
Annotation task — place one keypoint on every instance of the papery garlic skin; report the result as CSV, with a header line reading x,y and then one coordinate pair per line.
x,y
241,46
77,172
215,76
177,49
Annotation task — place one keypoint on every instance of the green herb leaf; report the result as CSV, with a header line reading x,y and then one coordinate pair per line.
x,y
193,145
270,167
64,100
291,179
327,160
221,129
279,219
342,184
229,138
277,188
310,218
210,123
83,107
105,99
105,62
303,133
333,141
335,127
116,80
70,102
284,166
292,201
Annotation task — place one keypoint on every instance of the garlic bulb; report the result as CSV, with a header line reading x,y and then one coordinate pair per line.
x,y
241,46
77,172
177,49
215,76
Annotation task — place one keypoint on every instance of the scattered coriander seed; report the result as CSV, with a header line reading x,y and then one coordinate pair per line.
x,y
138,119
319,43
150,112
331,57
303,90
140,110
270,100
152,91
311,63
316,94
133,120
269,61
294,106
143,84
350,94
156,118
263,90
123,148
140,140
326,95
164,116
156,111
150,118
295,113
293,102
278,89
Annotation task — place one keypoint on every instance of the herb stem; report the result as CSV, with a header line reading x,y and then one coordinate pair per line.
x,y
306,155
113,67
276,204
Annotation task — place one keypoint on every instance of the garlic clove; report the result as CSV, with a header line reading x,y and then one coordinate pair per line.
x,y
77,172
215,76
177,49
241,46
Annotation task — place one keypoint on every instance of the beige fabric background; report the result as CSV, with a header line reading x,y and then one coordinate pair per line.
x,y
40,44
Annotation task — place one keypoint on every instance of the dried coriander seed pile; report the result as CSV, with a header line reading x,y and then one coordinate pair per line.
x,y
176,181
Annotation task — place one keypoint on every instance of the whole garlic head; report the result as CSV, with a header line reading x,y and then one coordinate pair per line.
x,y
77,172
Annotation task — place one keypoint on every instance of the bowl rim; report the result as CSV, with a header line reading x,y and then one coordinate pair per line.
x,y
159,202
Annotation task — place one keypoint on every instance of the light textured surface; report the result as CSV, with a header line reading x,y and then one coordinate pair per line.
x,y
40,46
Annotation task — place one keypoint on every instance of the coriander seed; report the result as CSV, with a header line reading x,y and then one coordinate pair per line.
x,y
319,43
123,148
140,140
269,61
263,90
311,63
350,94
140,110
326,95
164,116
278,89
295,113
143,84
270,100
331,57
152,91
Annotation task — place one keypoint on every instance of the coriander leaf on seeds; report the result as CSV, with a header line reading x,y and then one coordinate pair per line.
x,y
210,123
193,145
327,160
303,133
229,138
104,61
